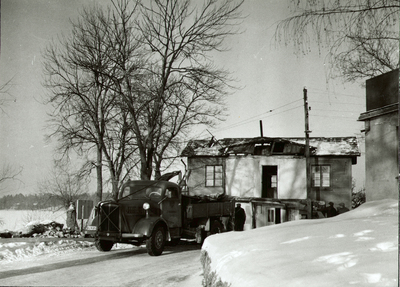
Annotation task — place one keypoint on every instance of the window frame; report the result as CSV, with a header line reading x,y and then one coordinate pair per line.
x,y
321,176
214,179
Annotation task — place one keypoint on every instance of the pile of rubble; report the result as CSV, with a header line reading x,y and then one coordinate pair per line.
x,y
44,229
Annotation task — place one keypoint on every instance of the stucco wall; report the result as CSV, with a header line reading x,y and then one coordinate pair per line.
x,y
243,176
196,178
381,158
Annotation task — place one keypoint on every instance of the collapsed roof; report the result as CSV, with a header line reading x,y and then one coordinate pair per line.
x,y
336,146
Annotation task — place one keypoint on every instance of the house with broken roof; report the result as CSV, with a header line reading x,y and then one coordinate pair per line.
x,y
273,170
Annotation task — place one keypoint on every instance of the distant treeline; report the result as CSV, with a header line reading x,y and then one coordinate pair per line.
x,y
38,201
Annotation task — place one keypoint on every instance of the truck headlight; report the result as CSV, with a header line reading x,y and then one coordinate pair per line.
x,y
146,206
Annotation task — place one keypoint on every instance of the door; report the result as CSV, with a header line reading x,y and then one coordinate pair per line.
x,y
171,208
269,181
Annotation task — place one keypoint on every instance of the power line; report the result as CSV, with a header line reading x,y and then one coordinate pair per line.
x,y
284,111
257,116
265,114
248,120
270,111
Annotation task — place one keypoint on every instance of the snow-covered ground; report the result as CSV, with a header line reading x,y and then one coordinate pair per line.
x,y
28,250
13,219
20,249
357,248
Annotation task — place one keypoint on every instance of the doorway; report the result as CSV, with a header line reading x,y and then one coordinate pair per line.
x,y
269,181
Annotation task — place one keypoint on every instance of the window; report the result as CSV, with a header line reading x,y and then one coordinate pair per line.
x,y
171,192
321,175
274,180
214,175
140,191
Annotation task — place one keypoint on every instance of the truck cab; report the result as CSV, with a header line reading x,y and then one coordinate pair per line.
x,y
146,212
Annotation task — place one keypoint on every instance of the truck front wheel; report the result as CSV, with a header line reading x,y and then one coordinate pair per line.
x,y
155,244
103,245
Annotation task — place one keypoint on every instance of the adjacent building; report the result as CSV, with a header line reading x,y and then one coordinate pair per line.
x,y
381,137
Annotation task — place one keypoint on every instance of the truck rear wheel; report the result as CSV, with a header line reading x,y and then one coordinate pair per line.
x,y
155,244
103,245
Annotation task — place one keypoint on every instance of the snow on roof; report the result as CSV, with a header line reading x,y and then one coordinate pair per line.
x,y
332,146
321,146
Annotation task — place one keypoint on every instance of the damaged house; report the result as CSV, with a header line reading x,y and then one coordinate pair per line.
x,y
268,175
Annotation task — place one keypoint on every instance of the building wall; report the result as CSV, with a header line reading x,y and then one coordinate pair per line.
x,y
382,90
381,157
196,178
243,175
381,137
339,190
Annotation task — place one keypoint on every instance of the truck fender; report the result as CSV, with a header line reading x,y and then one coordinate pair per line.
x,y
145,226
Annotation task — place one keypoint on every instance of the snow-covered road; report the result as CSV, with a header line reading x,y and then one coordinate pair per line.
x,y
177,266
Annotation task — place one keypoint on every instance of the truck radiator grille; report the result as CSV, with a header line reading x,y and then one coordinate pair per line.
x,y
109,217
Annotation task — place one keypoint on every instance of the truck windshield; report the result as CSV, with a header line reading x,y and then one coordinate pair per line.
x,y
141,191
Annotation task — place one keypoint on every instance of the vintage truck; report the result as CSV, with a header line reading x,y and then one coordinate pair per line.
x,y
154,212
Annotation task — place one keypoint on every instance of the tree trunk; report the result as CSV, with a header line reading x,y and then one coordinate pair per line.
x,y
114,187
146,163
99,193
157,169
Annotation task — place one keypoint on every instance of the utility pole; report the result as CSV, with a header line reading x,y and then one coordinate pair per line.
x,y
307,154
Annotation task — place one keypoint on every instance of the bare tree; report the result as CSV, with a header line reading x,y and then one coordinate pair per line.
x,y
64,184
9,172
362,36
183,88
80,73
131,88
128,58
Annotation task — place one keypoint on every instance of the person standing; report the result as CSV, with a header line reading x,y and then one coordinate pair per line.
x,y
240,217
71,217
331,210
342,208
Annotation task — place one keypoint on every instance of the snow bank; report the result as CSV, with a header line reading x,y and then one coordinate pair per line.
x,y
359,247
19,251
